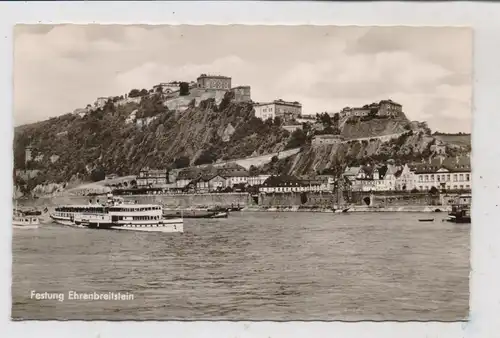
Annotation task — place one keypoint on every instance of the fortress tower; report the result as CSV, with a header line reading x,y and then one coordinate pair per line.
x,y
214,82
28,155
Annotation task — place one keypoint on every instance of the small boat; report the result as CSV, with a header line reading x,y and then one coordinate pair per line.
x,y
219,209
338,209
426,220
460,211
23,221
220,215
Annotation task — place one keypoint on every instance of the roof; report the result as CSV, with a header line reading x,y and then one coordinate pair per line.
x,y
382,171
312,181
452,164
279,102
188,174
213,76
391,170
287,103
390,101
282,181
367,169
351,171
238,173
207,177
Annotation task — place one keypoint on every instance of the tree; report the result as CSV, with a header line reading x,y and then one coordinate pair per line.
x,y
181,162
134,93
253,170
277,121
298,139
325,119
206,157
433,191
184,89
97,174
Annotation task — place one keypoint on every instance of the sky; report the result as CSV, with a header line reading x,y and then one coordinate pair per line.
x,y
59,68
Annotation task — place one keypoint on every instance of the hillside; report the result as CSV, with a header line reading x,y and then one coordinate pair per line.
x,y
121,139
413,146
71,146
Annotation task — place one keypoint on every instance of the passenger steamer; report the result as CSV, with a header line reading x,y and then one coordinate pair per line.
x,y
21,220
117,215
25,219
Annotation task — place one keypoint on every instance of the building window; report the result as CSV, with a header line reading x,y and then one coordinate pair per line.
x,y
461,177
467,178
454,178
432,177
448,178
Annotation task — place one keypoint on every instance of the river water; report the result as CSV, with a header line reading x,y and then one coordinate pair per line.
x,y
251,266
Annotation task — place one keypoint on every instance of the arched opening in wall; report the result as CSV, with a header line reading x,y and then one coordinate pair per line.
x,y
367,200
303,198
255,199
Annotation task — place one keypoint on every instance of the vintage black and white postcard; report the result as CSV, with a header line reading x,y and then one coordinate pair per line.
x,y
240,172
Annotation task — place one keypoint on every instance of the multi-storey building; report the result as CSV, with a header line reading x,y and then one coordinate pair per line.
x,y
389,108
242,94
257,180
383,108
452,173
214,82
101,101
284,109
152,178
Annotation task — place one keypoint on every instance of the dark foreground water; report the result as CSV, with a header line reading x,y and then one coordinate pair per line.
x,y
251,266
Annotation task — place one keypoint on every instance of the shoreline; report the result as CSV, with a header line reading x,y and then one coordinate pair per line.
x,y
354,209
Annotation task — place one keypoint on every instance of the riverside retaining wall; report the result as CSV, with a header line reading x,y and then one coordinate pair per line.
x,y
174,200
306,199
325,199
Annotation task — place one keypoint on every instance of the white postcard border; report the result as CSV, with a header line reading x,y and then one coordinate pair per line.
x,y
485,278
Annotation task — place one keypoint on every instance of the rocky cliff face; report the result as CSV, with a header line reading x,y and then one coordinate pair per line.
x,y
412,146
356,127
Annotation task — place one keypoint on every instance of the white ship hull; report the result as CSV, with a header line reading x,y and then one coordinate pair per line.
x,y
26,227
25,222
66,222
175,227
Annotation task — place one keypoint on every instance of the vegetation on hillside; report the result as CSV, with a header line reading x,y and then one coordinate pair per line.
x,y
102,140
